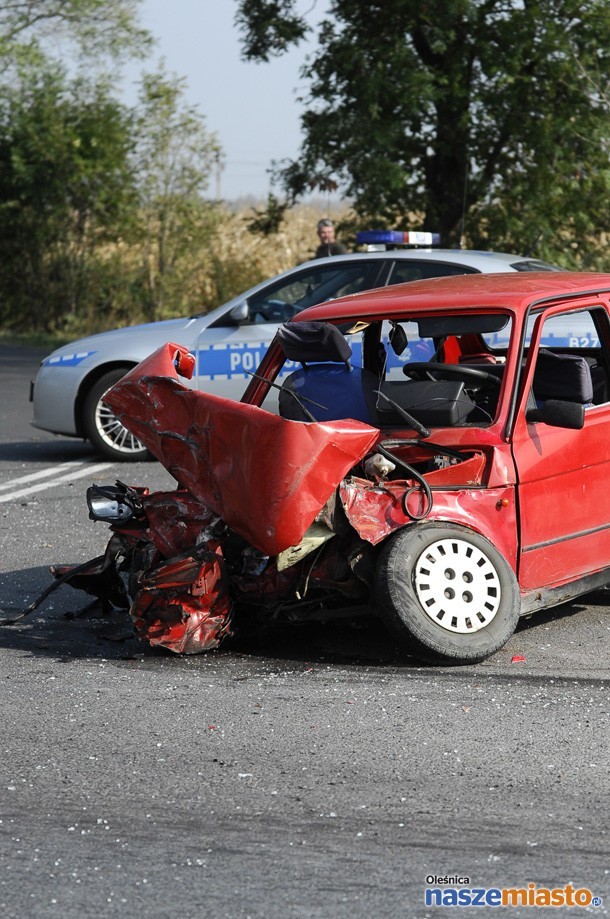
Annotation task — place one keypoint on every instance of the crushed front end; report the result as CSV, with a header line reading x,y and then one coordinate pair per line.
x,y
271,517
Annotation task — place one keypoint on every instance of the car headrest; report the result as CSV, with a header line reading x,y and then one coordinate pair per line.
x,y
314,342
562,376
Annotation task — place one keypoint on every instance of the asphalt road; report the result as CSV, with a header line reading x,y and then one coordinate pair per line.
x,y
304,772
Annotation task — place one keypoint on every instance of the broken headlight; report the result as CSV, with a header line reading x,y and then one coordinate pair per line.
x,y
112,503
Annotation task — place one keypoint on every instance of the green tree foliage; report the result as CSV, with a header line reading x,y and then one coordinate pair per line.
x,y
175,157
103,217
485,119
93,26
270,26
66,189
268,221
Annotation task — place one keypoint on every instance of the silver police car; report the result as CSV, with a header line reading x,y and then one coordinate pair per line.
x,y
229,342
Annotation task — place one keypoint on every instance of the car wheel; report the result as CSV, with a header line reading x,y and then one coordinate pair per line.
x,y
448,591
104,429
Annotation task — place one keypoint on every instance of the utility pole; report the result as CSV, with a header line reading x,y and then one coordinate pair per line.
x,y
218,175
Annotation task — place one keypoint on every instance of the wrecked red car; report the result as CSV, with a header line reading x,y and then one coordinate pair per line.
x,y
433,454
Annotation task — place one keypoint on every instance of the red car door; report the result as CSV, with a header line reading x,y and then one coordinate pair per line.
x,y
563,474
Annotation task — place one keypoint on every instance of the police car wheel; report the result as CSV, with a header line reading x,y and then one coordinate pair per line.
x,y
104,429
448,592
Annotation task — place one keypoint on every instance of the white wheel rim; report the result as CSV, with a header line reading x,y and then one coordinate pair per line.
x,y
113,433
457,585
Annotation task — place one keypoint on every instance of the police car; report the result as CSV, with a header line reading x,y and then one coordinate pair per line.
x,y
229,342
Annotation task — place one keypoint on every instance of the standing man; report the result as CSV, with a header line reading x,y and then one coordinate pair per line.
x,y
328,244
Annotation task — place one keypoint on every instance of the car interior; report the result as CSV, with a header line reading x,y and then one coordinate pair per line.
x,y
458,384
329,385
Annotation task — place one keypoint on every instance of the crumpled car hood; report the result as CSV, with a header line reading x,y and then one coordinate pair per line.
x,y
265,476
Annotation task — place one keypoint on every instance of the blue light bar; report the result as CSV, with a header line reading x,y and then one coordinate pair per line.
x,y
397,238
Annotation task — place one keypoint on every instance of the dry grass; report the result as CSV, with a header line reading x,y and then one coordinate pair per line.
x,y
295,242
237,259
230,261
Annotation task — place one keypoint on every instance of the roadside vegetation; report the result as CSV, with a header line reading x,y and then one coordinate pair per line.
x,y
228,261
486,121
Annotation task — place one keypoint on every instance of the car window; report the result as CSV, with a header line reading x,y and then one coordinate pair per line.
x,y
575,329
423,349
497,342
417,349
416,270
279,302
534,264
566,339
440,380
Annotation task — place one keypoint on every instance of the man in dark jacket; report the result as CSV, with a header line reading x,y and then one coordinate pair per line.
x,y
328,244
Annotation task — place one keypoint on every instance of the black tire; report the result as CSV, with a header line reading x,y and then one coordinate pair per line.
x,y
462,612
103,428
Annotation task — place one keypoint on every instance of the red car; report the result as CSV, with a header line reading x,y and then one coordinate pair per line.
x,y
433,453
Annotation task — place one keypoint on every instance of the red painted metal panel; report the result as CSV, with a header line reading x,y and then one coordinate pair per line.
x,y
376,511
564,499
265,476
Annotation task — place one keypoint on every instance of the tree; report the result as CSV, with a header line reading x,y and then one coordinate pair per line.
x,y
175,156
66,189
483,118
94,26
102,208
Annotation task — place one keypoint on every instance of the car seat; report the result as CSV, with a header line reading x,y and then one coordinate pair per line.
x,y
327,386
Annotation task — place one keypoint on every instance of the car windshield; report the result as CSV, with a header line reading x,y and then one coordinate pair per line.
x,y
533,264
280,301
442,372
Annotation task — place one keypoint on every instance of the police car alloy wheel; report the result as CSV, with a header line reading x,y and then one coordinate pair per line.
x,y
104,429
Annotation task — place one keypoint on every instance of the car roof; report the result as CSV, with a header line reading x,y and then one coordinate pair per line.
x,y
478,261
469,258
513,291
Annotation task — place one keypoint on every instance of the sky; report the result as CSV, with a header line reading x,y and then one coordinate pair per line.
x,y
252,108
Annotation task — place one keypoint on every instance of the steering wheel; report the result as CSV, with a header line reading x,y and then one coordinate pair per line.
x,y
422,370
276,311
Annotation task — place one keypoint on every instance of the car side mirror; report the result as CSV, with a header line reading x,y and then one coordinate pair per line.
x,y
239,313
558,414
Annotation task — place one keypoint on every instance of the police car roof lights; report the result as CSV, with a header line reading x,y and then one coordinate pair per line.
x,y
397,238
